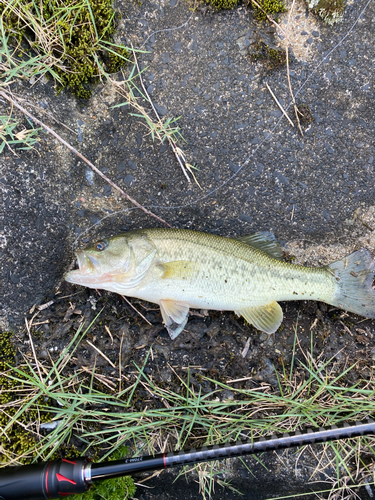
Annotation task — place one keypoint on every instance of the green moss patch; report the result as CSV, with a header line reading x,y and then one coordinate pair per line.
x,y
74,39
111,489
15,441
223,4
270,7
270,55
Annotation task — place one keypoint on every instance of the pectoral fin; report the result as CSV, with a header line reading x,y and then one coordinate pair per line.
x,y
175,316
266,318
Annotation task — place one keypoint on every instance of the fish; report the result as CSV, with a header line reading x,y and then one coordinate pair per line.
x,y
179,269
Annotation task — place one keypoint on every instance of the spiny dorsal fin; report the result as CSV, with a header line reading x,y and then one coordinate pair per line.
x,y
265,241
266,318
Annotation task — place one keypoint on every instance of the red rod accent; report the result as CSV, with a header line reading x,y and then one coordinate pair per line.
x,y
47,479
165,465
63,478
69,461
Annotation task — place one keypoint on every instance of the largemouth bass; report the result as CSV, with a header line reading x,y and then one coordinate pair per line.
x,y
179,269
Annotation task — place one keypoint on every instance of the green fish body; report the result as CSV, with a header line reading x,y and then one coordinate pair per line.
x,y
179,269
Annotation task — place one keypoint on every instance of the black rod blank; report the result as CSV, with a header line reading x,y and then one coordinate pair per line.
x,y
60,478
217,452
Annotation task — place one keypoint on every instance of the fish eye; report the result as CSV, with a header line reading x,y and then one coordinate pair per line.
x,y
100,246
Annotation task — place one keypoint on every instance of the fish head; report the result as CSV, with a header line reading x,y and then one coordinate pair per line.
x,y
101,262
115,264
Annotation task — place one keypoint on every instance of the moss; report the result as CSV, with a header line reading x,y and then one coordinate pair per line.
x,y
223,4
17,440
273,57
267,7
79,48
112,489
331,11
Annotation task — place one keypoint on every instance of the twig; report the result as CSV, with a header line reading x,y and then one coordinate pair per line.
x,y
119,364
102,354
136,310
32,345
66,144
296,111
346,328
246,348
50,115
109,332
171,142
277,102
101,378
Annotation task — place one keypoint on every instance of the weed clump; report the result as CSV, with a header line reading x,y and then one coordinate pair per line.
x,y
272,57
331,11
75,39
16,441
269,7
223,4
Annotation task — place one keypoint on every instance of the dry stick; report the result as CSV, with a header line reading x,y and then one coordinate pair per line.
x,y
119,364
135,309
32,344
171,142
282,109
66,144
296,110
101,354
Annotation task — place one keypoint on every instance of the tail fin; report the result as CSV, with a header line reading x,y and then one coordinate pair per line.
x,y
354,276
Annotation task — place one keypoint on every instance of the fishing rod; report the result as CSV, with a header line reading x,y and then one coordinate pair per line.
x,y
60,478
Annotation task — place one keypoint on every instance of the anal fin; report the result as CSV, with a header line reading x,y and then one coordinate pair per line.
x,y
175,316
266,318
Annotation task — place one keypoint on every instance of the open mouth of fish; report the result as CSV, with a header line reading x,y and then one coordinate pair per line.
x,y
86,263
86,269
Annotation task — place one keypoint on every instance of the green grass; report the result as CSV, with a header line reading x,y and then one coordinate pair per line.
x,y
13,136
65,41
308,395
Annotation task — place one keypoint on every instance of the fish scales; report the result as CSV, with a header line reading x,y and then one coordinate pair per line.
x,y
237,274
179,269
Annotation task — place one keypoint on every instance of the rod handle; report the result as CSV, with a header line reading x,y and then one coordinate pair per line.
x,y
55,479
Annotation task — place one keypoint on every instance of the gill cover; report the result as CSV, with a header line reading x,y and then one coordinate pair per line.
x,y
141,254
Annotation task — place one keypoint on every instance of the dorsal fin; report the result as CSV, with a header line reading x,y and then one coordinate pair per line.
x,y
265,241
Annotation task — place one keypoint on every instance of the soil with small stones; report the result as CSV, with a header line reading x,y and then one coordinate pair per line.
x,y
257,173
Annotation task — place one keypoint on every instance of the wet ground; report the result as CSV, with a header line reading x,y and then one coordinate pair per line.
x,y
257,173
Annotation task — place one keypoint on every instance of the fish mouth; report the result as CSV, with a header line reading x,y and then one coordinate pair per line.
x,y
85,271
85,263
